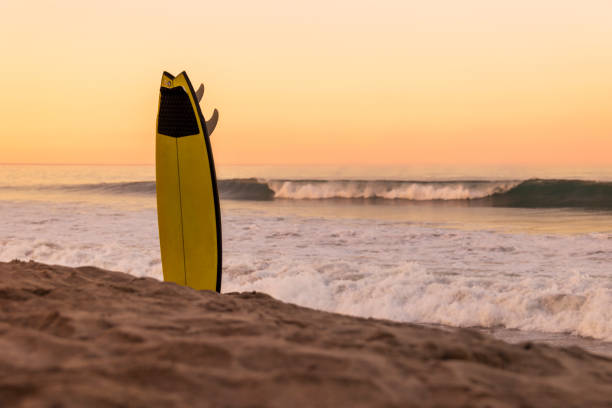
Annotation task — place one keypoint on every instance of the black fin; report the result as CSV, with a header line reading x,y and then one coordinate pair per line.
x,y
200,92
211,123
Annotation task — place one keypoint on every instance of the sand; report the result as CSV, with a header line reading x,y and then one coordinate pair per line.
x,y
86,337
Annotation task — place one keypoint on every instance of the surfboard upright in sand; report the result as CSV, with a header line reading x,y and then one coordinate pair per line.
x,y
187,198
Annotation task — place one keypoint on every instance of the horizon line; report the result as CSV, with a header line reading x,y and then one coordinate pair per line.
x,y
583,165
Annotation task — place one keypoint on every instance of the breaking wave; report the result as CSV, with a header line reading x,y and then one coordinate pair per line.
x,y
534,193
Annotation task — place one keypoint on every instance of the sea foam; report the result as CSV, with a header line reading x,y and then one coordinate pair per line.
x,y
411,273
373,268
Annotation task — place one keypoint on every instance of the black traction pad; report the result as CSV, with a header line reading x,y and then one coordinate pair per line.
x,y
176,115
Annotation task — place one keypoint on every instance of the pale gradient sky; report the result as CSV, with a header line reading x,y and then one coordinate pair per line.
x,y
317,82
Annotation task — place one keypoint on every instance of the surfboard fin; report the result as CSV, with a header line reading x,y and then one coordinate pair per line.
x,y
211,123
200,92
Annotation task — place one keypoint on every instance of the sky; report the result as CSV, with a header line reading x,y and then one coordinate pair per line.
x,y
352,82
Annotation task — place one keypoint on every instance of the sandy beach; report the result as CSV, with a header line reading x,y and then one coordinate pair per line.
x,y
76,337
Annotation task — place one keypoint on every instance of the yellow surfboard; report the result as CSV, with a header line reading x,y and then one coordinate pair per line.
x,y
187,198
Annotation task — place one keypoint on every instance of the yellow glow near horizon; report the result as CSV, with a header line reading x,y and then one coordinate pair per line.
x,y
324,82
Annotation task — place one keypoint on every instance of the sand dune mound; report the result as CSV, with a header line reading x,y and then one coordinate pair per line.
x,y
86,337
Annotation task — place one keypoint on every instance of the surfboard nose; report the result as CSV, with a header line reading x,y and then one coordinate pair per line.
x,y
167,79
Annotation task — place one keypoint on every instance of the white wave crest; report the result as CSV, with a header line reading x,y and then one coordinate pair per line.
x,y
418,191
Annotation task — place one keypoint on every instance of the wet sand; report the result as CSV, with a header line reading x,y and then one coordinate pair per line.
x,y
86,337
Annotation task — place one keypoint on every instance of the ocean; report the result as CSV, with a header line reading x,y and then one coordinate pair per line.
x,y
522,253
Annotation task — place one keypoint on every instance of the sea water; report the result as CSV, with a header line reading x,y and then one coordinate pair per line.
x,y
523,253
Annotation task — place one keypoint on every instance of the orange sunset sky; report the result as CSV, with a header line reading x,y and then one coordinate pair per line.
x,y
313,82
